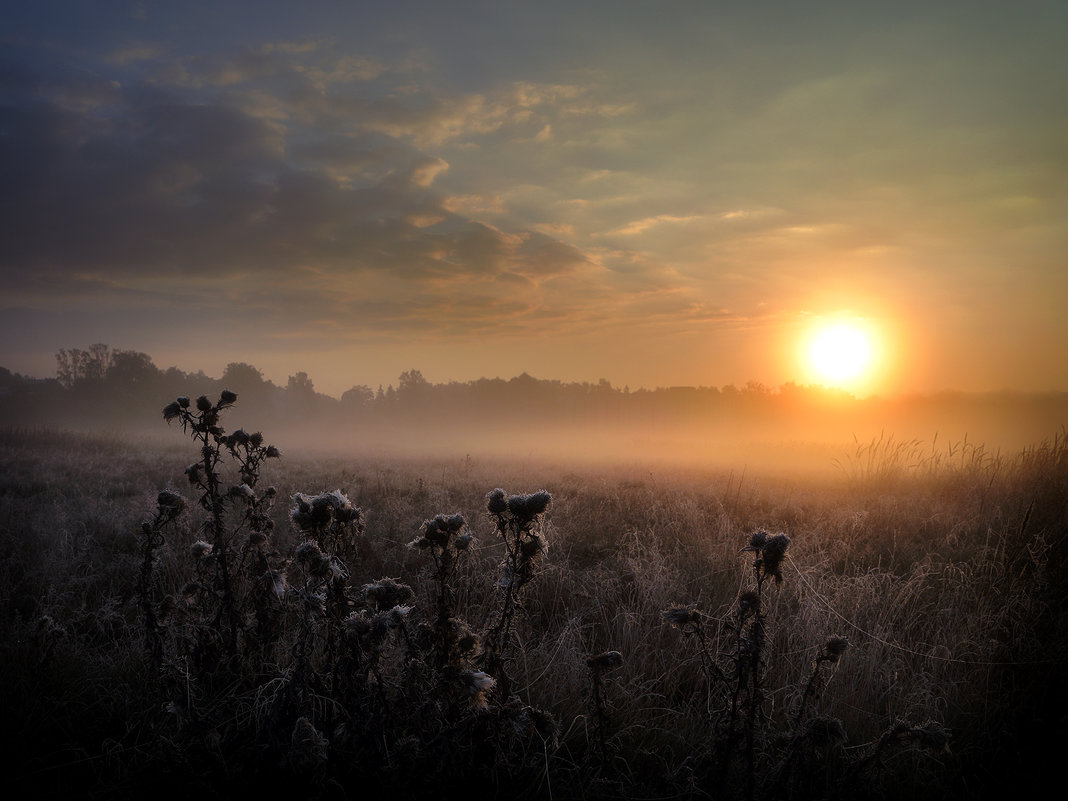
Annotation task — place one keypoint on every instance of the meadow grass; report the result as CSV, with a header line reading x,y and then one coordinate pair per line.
x,y
913,645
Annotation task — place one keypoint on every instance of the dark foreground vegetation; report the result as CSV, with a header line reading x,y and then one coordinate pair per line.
x,y
211,618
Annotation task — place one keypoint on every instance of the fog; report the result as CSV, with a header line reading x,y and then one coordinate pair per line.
x,y
787,429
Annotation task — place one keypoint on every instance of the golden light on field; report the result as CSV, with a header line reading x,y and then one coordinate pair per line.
x,y
840,353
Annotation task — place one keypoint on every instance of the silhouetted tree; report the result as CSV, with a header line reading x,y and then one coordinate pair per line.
x,y
130,367
359,396
244,379
301,385
75,365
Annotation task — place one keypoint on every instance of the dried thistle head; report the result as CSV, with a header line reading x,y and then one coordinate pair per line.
x,y
609,660
747,602
682,616
386,593
773,553
834,648
496,502
756,540
477,684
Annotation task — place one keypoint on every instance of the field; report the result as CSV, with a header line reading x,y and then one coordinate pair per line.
x,y
914,646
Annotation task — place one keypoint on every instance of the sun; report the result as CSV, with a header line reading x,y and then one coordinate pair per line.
x,y
839,353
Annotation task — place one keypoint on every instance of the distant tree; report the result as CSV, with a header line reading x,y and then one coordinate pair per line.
x,y
76,365
129,367
300,385
359,396
244,379
411,381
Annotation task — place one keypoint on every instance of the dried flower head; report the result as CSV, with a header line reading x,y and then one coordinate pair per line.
x,y
496,502
756,541
227,396
203,404
747,602
681,616
609,660
170,503
200,550
386,593
307,552
835,647
773,553
243,491
478,684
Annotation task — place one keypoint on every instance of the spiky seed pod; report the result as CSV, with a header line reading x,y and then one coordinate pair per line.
x,y
183,401
517,505
609,660
203,404
496,502
756,540
200,550
386,593
835,647
773,553
747,602
681,616
464,541
307,552
171,410
272,452
170,503
538,502
227,396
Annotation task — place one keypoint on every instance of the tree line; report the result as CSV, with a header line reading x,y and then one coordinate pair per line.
x,y
100,386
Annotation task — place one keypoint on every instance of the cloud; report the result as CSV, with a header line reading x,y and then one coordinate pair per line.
x,y
213,192
640,226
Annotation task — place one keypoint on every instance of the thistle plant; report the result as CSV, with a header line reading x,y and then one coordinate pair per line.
x,y
201,421
517,520
800,758
445,540
169,505
599,665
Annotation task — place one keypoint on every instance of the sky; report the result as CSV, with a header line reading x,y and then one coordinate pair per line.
x,y
653,193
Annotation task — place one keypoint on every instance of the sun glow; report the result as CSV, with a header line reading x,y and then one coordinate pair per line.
x,y
840,353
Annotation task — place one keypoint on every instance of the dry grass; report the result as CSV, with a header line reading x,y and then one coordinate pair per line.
x,y
942,566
